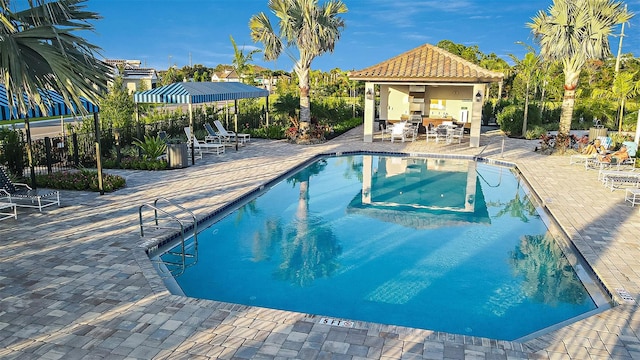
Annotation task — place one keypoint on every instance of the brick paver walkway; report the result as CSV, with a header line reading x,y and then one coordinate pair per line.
x,y
76,284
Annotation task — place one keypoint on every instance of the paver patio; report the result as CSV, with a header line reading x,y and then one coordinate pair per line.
x,y
75,283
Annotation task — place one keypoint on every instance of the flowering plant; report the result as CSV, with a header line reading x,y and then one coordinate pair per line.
x,y
291,133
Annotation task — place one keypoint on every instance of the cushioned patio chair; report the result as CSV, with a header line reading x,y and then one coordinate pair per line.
x,y
242,138
213,136
23,195
203,147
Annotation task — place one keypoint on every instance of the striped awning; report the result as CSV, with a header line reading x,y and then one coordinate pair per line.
x,y
55,106
198,93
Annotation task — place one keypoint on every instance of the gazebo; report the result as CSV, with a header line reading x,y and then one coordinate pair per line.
x,y
427,85
191,93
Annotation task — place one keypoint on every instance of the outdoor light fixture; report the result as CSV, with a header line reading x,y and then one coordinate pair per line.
x,y
369,94
478,96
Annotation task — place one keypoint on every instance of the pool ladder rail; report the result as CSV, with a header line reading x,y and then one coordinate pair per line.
x,y
171,217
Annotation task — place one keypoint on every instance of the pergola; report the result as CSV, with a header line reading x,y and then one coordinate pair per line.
x,y
191,93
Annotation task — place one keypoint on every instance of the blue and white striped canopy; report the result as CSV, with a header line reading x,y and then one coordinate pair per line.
x,y
56,106
198,93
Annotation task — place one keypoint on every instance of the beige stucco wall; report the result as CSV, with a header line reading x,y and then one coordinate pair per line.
x,y
396,101
456,99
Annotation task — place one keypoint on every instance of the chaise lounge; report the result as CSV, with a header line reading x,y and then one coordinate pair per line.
x,y
230,135
203,147
23,195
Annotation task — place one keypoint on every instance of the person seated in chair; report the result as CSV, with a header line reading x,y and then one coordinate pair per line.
x,y
616,157
595,148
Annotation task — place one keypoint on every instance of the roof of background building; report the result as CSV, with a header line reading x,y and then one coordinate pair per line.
x,y
427,63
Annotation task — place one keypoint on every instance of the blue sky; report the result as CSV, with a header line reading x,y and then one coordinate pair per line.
x,y
183,32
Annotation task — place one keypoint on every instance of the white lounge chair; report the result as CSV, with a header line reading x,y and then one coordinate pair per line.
x,y
242,138
23,195
632,196
615,179
213,136
203,147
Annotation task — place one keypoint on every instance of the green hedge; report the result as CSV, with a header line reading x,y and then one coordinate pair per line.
x,y
80,180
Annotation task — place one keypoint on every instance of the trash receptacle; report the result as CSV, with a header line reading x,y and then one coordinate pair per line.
x,y
177,155
594,132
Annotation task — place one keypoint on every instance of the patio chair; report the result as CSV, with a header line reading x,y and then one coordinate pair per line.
x,y
442,133
203,147
403,131
213,136
242,138
618,164
23,195
431,133
456,133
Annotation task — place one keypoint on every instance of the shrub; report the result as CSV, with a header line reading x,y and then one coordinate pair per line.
x,y
510,120
343,126
12,147
80,180
135,163
535,133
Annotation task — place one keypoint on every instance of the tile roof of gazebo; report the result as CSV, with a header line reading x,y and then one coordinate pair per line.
x,y
427,63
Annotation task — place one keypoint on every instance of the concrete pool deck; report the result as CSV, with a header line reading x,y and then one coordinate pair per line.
x,y
75,283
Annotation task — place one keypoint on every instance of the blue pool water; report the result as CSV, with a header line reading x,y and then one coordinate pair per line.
x,y
442,244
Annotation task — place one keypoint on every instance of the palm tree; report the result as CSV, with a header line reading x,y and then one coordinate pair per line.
x,y
240,60
528,68
624,88
40,51
312,29
573,32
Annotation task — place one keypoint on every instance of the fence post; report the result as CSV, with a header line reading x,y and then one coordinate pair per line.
x,y
96,123
76,155
47,151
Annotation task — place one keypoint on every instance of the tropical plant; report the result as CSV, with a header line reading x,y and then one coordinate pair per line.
x,y
528,69
117,107
41,51
312,29
241,62
624,87
573,32
152,146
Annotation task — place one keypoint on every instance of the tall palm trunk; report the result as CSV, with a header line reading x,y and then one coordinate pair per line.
x,y
568,101
526,110
621,114
305,101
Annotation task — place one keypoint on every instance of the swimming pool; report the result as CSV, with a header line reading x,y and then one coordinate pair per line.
x,y
450,245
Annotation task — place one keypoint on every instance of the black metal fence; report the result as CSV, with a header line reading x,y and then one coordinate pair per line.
x,y
50,154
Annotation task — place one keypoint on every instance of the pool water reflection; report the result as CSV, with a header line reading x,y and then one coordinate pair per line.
x,y
442,244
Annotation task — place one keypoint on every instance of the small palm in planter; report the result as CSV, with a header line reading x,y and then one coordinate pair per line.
x,y
152,147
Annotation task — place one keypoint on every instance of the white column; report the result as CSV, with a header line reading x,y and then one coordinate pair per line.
x,y
476,114
369,110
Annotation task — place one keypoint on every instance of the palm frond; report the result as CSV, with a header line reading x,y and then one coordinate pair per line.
x,y
39,50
